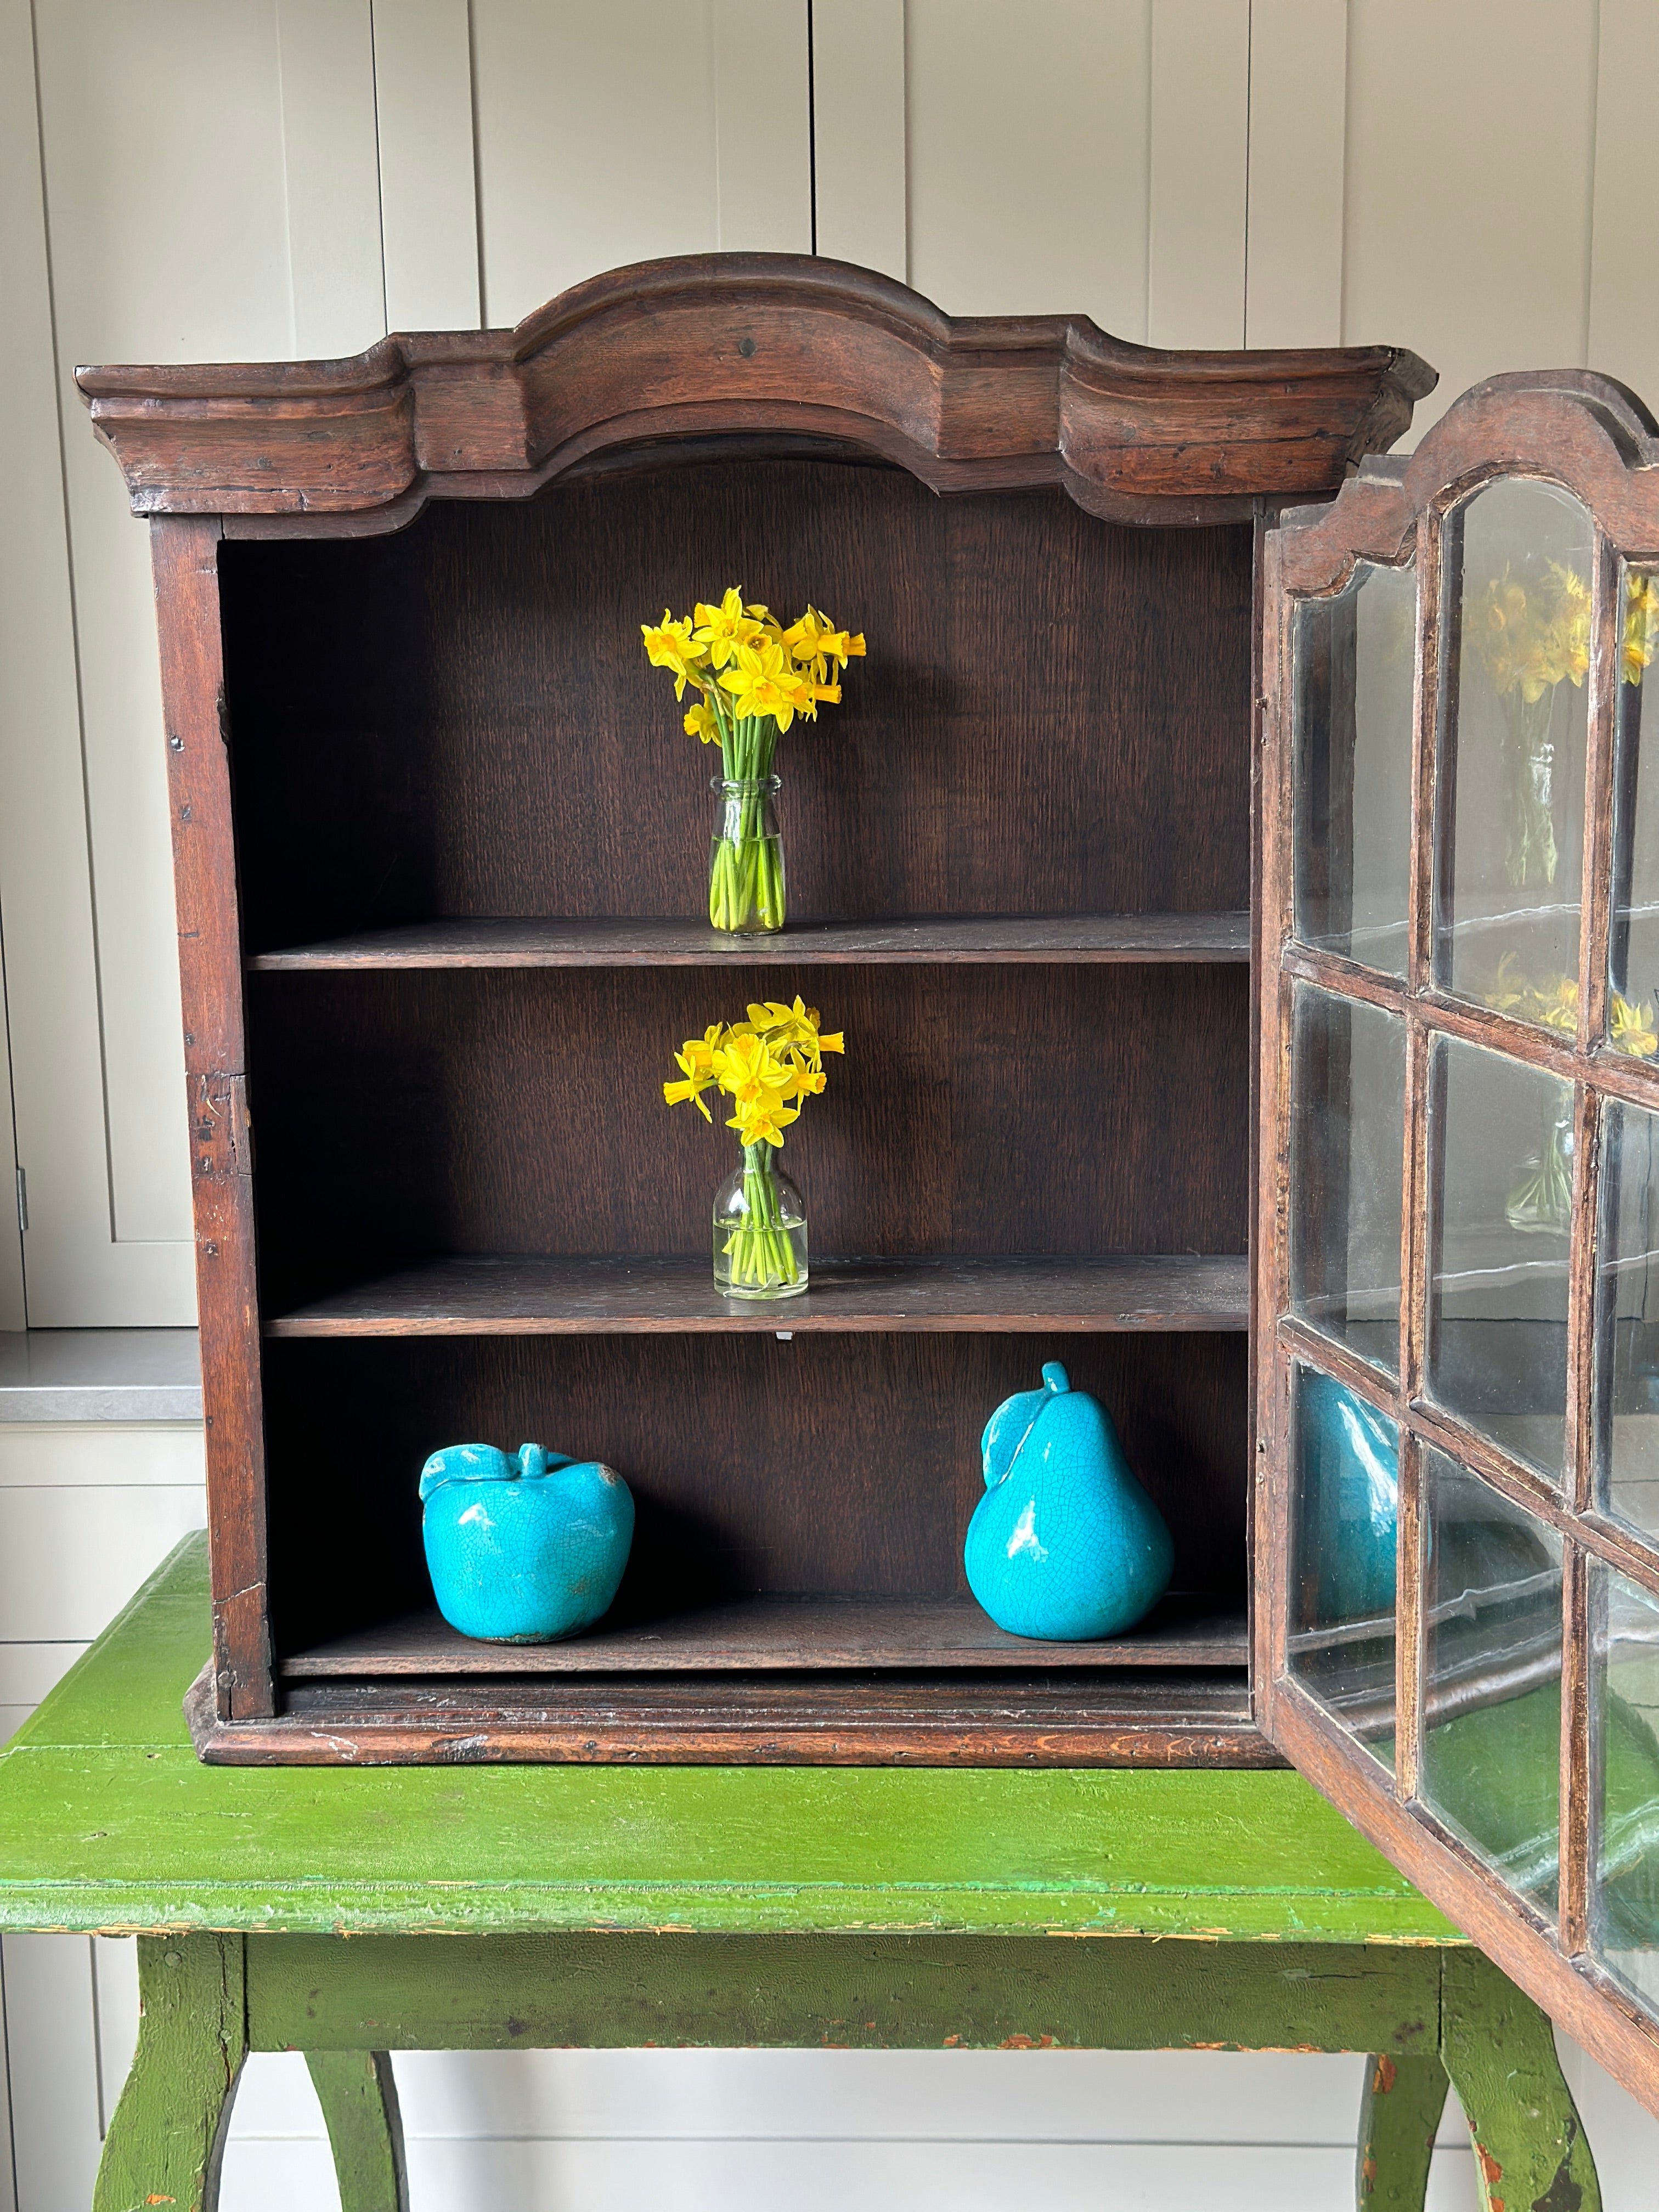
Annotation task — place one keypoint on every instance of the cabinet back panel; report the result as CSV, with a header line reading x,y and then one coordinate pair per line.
x,y
836,1464
458,718
993,1110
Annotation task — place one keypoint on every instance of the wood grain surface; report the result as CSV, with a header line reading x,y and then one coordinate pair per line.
x,y
459,722
762,342
837,1465
776,1633
518,1296
530,941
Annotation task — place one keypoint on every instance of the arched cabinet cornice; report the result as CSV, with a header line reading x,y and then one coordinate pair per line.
x,y
764,345
1579,429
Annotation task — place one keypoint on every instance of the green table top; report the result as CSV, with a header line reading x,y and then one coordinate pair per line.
x,y
108,1822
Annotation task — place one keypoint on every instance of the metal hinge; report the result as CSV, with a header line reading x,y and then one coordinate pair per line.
x,y
23,1200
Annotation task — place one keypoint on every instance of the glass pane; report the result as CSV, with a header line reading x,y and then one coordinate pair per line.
x,y
1492,1677
1341,1636
1625,1692
1633,947
1513,715
1347,1146
1352,765
1627,1318
1501,1146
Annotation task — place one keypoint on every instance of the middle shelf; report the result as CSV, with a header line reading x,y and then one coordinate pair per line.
x,y
527,1295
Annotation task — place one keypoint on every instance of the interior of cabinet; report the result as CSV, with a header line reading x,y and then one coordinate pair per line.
x,y
471,852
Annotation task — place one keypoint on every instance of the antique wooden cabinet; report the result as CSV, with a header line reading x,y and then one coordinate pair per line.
x,y
1129,735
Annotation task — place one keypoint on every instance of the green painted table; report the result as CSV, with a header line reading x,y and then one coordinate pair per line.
x,y
512,1907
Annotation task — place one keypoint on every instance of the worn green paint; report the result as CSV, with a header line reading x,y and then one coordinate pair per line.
x,y
359,2099
110,1822
1400,2110
1530,2155
167,2138
875,1993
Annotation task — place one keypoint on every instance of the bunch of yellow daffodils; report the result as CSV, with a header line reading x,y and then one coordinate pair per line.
x,y
1554,1005
753,678
764,1066
752,671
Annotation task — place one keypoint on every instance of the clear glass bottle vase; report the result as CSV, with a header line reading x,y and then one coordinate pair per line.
x,y
745,856
760,1229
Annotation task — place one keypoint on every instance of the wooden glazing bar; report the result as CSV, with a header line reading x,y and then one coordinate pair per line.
x,y
1579,1476
1533,1494
1416,1226
1408,1622
1573,1903
1434,780
1600,738
1271,1509
1347,979
1346,1367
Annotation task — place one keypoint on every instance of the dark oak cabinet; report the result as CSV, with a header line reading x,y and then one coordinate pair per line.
x,y
1201,877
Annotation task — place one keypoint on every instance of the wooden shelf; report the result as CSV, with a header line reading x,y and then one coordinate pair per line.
x,y
780,1634
520,1296
543,942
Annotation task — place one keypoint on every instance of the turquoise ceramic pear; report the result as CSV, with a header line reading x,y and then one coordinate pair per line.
x,y
523,1551
1065,1545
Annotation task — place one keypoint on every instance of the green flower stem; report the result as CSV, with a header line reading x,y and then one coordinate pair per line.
x,y
745,875
762,1251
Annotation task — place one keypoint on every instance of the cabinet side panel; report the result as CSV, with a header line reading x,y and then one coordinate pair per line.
x,y
185,553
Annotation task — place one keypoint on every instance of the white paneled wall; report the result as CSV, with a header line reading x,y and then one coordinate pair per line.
x,y
224,178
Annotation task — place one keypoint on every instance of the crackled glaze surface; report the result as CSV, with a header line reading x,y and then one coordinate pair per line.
x,y
523,1551
1065,1544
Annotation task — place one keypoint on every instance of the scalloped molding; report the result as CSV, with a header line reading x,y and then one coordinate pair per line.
x,y
762,344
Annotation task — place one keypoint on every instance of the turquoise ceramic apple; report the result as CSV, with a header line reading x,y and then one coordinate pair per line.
x,y
523,1551
1065,1545
1350,1456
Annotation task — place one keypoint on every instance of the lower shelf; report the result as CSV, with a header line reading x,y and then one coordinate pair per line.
x,y
525,1295
1116,1716
778,1634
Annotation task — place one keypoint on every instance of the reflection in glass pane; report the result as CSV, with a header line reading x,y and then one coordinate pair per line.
x,y
1347,1144
1633,946
1492,1677
1501,1154
1627,1318
1513,715
1352,760
1341,1638
1625,1693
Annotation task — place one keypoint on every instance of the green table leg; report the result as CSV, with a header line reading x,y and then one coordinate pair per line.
x,y
1530,2155
166,2140
1398,2115
359,2099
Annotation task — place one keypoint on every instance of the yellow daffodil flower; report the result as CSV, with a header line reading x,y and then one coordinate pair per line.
x,y
764,1065
1640,640
1632,1027
763,1123
670,644
761,682
700,722
721,630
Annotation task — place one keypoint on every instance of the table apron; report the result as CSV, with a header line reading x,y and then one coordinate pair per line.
x,y
618,1991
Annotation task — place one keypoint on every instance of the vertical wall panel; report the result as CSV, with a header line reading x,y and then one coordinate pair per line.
x,y
763,132
325,51
1624,297
596,140
53,2059
428,200
858,98
1298,84
1200,159
1469,160
1027,139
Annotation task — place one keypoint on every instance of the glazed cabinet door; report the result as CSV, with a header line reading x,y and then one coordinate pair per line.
x,y
1457,1235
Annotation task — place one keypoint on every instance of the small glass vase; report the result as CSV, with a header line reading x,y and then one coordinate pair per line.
x,y
760,1231
745,856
